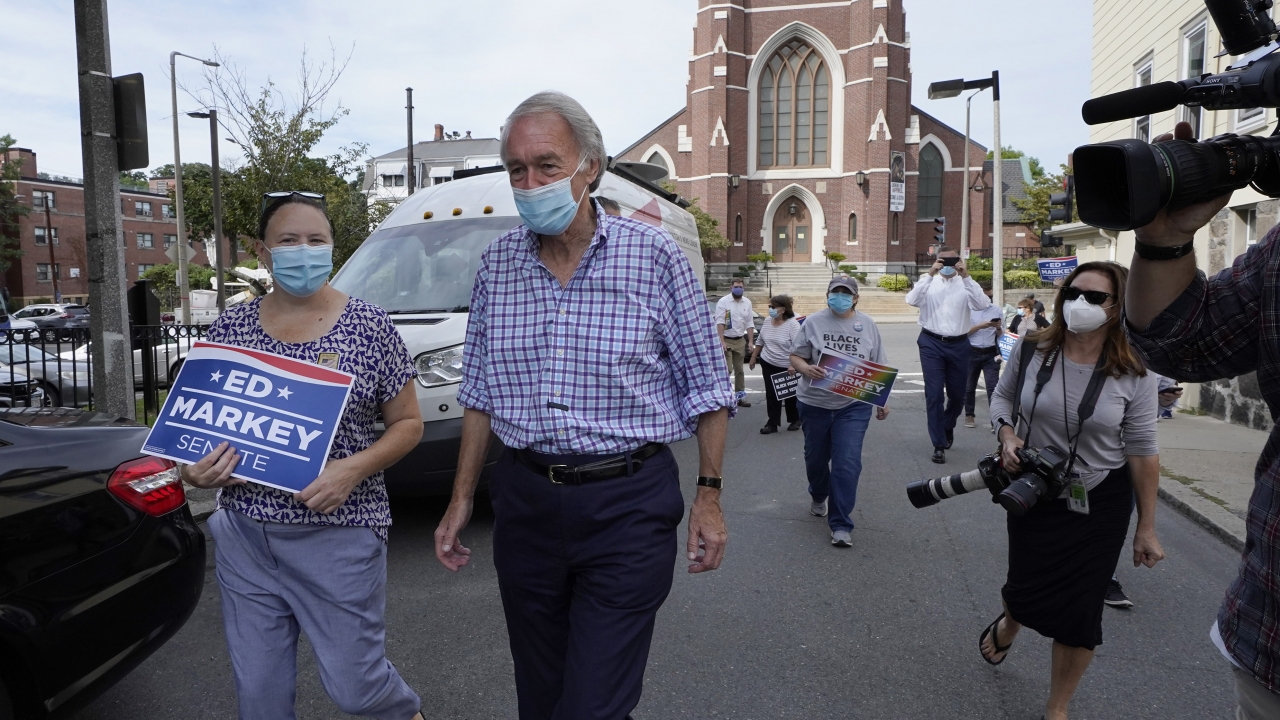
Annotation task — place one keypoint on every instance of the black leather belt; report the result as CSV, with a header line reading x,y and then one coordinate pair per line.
x,y
943,338
603,469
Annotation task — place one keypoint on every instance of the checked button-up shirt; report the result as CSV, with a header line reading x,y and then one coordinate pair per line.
x,y
1220,328
623,355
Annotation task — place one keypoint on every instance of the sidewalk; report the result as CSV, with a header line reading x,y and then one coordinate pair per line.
x,y
1206,468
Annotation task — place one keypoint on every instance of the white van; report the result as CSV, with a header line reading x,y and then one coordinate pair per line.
x,y
419,266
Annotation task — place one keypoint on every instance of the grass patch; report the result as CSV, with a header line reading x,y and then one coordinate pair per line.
x,y
1193,411
138,409
1190,483
1166,472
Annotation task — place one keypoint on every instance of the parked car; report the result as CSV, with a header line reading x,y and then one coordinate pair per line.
x,y
17,328
168,355
101,561
54,319
18,390
64,381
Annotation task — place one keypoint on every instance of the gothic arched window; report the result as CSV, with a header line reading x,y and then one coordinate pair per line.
x,y
655,158
929,189
795,91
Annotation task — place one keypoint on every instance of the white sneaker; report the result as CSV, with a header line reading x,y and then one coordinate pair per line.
x,y
841,539
818,508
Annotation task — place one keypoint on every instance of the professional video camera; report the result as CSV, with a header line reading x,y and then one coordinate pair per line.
x,y
1121,185
1044,474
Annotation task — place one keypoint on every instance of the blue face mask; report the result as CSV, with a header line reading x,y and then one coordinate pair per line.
x,y
301,270
839,302
773,312
947,271
550,209
737,292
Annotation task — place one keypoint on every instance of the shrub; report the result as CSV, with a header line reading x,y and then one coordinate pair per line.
x,y
761,257
1028,279
982,277
895,283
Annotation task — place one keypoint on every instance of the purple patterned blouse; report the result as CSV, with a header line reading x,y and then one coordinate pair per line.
x,y
368,347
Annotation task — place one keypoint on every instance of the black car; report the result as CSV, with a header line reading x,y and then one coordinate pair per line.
x,y
101,561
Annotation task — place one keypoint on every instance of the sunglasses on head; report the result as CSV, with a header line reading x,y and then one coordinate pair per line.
x,y
269,199
1093,297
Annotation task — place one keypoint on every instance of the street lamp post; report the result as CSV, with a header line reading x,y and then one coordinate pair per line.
x,y
217,204
952,88
184,290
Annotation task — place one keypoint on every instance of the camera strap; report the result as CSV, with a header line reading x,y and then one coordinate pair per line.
x,y
1087,403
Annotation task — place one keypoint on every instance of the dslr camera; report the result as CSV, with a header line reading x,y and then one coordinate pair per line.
x,y
1121,185
1044,474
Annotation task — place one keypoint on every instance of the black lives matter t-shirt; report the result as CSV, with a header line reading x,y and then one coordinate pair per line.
x,y
855,336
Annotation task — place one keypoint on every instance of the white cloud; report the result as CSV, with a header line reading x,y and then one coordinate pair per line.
x,y
471,62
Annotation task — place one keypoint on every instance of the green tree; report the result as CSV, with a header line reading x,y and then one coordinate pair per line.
x,y
1011,153
135,180
277,135
164,280
1035,207
12,210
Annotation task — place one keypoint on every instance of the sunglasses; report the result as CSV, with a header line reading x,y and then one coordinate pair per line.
x,y
271,198
1093,297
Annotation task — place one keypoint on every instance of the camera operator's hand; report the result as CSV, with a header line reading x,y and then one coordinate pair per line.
x,y
1176,227
1009,443
1146,548
962,270
937,265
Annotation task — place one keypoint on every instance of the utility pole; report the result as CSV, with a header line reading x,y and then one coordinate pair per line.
x,y
997,200
184,287
219,243
410,174
110,355
964,203
48,238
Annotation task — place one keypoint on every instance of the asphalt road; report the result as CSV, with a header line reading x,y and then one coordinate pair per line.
x,y
789,627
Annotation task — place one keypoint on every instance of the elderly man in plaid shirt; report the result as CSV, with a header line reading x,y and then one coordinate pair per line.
x,y
589,348
1195,328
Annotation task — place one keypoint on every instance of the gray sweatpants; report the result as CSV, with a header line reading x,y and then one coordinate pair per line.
x,y
328,581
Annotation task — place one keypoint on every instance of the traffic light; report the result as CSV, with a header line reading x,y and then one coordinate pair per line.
x,y
940,231
1061,204
1047,240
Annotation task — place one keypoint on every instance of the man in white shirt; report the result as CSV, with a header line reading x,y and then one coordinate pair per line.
x,y
985,326
737,327
945,296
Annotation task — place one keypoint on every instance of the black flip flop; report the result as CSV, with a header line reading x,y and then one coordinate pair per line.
x,y
995,640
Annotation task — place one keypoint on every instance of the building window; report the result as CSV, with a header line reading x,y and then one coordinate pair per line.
x,y
40,239
1142,125
1249,117
42,272
146,241
929,192
793,110
393,181
40,197
142,209
1194,49
737,228
853,228
169,240
162,187
166,210
655,158
143,267
1249,224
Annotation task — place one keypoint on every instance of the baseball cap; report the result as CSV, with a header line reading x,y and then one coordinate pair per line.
x,y
843,281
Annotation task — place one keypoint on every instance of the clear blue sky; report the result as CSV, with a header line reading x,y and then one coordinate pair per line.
x,y
471,62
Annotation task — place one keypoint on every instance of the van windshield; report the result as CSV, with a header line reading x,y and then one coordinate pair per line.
x,y
424,267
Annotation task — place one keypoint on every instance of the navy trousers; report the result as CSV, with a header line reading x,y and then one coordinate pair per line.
x,y
946,369
983,362
583,570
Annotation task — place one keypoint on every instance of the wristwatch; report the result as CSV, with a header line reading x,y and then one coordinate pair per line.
x,y
711,482
1160,252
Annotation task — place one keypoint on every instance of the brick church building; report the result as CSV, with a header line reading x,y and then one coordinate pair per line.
x,y
795,113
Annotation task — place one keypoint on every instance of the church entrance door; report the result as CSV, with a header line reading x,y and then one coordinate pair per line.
x,y
792,232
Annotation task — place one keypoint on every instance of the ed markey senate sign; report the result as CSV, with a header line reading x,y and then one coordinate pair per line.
x,y
281,414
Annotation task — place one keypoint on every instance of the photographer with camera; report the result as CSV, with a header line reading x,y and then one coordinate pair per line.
x,y
1199,329
1077,385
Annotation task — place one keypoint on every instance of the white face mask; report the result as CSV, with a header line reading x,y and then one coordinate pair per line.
x,y
1083,316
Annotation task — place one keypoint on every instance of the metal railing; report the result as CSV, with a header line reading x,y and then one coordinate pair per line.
x,y
38,368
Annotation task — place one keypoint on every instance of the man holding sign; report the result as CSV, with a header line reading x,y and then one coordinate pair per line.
x,y
285,395
835,423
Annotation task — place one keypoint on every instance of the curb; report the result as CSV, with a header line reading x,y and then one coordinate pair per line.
x,y
1212,517
202,510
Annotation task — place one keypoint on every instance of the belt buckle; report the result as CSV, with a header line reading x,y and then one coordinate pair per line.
x,y
551,473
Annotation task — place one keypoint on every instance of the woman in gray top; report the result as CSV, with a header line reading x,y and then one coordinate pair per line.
x,y
1062,551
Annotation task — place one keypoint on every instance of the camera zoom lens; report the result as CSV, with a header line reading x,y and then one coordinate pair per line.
x,y
1022,494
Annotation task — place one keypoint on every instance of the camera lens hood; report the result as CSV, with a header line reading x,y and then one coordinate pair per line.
x,y
1114,188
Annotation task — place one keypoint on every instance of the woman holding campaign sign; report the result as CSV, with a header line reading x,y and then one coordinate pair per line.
x,y
840,357
1077,416
304,553
773,351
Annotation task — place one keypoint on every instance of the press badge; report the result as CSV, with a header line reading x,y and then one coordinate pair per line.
x,y
328,360
1078,499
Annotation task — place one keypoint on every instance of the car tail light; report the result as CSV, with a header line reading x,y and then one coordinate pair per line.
x,y
66,316
150,484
